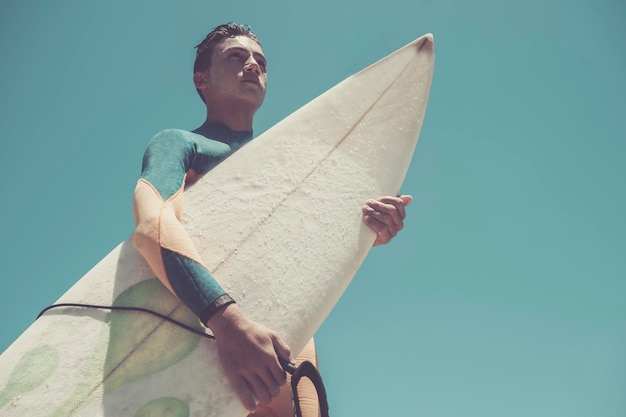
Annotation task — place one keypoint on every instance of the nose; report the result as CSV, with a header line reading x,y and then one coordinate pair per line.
x,y
252,65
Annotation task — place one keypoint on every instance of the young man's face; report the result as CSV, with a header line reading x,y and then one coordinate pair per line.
x,y
237,74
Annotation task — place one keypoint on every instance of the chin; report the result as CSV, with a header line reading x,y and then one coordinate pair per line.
x,y
256,102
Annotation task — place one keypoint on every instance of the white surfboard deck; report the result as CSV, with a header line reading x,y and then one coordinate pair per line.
x,y
279,224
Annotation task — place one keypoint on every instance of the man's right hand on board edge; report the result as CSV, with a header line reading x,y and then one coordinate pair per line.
x,y
249,355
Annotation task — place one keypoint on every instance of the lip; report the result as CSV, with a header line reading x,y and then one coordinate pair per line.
x,y
251,81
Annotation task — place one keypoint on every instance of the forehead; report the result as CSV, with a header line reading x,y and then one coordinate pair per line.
x,y
238,42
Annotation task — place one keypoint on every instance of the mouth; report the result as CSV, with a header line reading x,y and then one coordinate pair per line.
x,y
251,81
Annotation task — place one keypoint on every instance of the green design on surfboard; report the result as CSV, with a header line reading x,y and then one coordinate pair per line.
x,y
140,344
30,372
164,407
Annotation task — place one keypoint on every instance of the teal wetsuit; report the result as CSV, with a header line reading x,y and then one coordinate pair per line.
x,y
169,158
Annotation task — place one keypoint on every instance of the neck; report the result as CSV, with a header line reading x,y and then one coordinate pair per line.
x,y
235,118
220,132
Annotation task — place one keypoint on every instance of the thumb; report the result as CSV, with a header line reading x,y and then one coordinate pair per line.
x,y
282,350
407,199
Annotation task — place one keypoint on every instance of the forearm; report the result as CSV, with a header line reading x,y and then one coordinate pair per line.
x,y
171,254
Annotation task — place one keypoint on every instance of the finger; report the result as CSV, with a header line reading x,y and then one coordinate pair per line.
x,y
259,388
407,199
383,235
283,351
273,386
377,226
399,203
393,207
244,393
384,213
391,204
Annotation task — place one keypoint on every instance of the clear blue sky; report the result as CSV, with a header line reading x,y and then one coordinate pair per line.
x,y
503,296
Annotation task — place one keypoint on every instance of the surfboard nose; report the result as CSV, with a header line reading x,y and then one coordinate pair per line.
x,y
426,43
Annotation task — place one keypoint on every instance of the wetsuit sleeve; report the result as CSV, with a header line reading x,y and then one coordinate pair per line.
x,y
159,235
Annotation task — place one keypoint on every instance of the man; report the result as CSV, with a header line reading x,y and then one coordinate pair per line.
x,y
230,74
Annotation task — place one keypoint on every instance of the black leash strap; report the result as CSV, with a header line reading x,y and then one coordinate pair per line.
x,y
306,368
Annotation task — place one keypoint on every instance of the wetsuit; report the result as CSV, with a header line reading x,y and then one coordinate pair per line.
x,y
173,159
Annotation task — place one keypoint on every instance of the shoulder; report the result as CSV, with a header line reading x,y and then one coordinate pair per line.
x,y
172,135
173,141
170,146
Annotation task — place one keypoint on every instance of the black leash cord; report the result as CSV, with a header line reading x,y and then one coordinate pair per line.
x,y
306,368
121,308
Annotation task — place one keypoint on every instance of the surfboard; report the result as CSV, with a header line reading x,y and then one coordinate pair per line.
x,y
278,223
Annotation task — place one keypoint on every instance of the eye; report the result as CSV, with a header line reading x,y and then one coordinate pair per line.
x,y
261,61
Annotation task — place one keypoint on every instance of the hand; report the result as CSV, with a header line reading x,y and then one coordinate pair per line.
x,y
385,216
249,354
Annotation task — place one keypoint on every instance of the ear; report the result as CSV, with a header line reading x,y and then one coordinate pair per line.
x,y
201,79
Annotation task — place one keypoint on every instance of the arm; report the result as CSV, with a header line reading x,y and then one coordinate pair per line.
x,y
159,236
385,216
248,351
